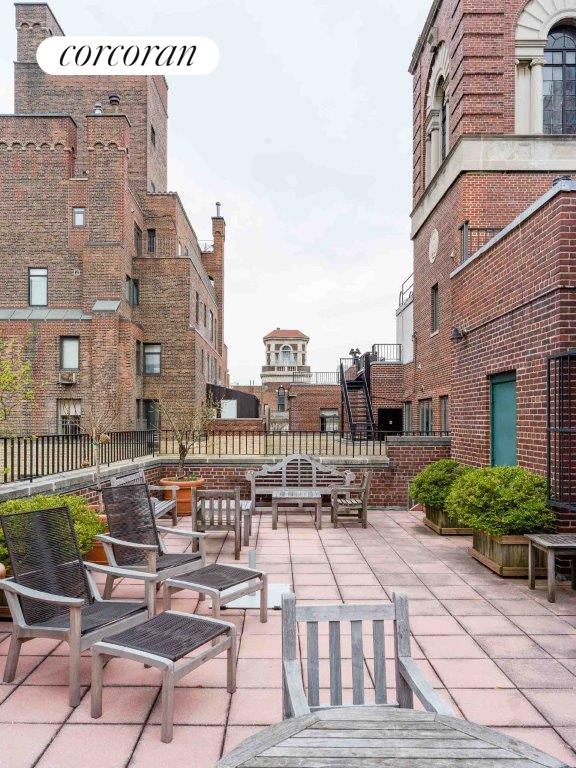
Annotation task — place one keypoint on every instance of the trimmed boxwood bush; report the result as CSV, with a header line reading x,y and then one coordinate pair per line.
x,y
501,501
432,484
86,521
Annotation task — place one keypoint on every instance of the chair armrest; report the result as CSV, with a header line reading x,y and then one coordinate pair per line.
x,y
177,532
431,701
105,539
294,688
121,572
172,488
36,594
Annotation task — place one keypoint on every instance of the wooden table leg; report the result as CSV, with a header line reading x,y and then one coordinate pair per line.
x,y
531,565
274,515
551,562
319,515
574,573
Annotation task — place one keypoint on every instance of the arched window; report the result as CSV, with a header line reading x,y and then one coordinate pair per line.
x,y
287,355
559,76
443,111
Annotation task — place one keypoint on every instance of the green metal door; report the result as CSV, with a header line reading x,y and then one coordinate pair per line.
x,y
503,419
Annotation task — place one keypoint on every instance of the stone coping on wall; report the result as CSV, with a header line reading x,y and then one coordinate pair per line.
x,y
84,478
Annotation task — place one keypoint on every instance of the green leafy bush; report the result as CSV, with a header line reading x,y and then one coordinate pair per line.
x,y
501,501
86,521
432,484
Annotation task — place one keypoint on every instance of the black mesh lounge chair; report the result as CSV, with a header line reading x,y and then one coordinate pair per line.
x,y
162,507
52,592
135,538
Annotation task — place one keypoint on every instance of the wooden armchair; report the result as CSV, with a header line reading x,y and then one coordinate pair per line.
x,y
409,678
351,501
53,592
219,510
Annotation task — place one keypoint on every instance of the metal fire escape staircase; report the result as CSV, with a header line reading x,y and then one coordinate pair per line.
x,y
356,401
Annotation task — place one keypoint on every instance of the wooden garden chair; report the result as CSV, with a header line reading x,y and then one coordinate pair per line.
x,y
162,507
135,540
351,501
218,511
53,594
409,679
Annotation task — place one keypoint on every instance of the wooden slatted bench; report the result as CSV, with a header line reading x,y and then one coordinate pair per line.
x,y
295,471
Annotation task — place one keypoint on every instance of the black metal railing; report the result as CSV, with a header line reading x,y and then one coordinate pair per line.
x,y
27,458
315,377
473,238
406,291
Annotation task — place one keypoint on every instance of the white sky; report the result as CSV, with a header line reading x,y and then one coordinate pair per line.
x,y
304,134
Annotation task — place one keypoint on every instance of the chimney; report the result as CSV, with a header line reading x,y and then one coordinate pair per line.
x,y
98,108
218,210
114,100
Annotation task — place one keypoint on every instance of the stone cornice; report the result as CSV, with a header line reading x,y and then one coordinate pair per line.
x,y
495,154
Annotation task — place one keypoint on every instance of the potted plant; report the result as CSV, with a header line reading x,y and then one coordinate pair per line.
x,y
502,504
188,422
87,525
430,487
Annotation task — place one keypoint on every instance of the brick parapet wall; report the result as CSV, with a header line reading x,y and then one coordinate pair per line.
x,y
406,456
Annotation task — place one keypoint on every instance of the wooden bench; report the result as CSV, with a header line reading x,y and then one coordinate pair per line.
x,y
162,507
295,471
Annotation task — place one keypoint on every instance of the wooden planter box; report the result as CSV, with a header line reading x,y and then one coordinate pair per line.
x,y
440,522
505,555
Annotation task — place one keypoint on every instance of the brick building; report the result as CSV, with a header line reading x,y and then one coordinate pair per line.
x,y
292,397
102,276
492,299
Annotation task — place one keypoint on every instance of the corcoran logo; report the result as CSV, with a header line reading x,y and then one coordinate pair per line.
x,y
86,55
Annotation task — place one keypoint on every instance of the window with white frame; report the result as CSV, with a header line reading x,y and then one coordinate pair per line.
x,y
69,414
329,420
69,353
37,287
78,217
152,359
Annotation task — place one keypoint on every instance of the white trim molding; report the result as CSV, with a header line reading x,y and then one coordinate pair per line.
x,y
532,30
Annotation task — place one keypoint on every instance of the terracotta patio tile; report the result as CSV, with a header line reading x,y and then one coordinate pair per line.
x,y
489,625
399,579
427,608
315,579
23,743
38,646
317,593
259,673
96,746
450,647
470,673
193,746
521,607
454,592
54,671
559,646
261,647
544,625
236,734
496,707
477,607
412,593
435,625
363,593
119,705
354,579
26,664
545,739
569,736
558,705
256,706
441,579
36,704
511,647
196,706
538,673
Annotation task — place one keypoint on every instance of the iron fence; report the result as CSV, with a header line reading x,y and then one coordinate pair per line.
x,y
27,458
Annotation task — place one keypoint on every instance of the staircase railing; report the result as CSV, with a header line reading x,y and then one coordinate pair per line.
x,y
346,399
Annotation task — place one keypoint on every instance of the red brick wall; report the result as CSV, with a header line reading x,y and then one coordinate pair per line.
x,y
517,301
386,386
238,425
307,400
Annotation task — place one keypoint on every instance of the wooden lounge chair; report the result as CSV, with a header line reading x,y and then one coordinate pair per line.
x,y
409,678
351,501
135,540
52,592
162,507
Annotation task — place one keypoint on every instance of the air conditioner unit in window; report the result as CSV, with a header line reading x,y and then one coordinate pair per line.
x,y
68,377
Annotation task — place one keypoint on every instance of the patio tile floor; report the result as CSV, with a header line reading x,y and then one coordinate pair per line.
x,y
499,654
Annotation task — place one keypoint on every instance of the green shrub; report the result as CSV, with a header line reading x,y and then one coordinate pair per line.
x,y
86,521
501,501
432,484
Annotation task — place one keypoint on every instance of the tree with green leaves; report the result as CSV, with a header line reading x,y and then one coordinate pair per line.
x,y
16,380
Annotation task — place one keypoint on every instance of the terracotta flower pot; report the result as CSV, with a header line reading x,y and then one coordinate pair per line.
x,y
184,492
97,554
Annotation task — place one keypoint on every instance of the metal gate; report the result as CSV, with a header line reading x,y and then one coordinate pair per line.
x,y
562,430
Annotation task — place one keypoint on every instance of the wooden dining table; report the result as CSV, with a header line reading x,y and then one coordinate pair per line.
x,y
371,736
